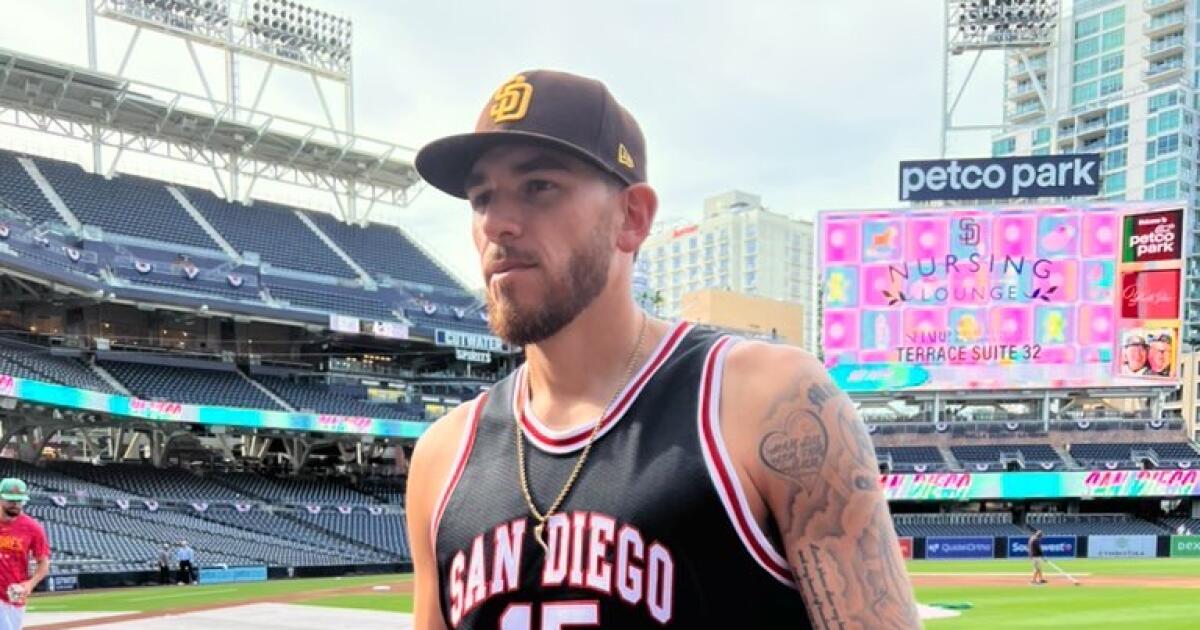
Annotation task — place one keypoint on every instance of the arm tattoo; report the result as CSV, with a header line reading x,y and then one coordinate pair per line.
x,y
845,556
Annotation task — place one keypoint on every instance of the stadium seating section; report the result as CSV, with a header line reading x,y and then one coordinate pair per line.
x,y
125,204
1121,455
189,385
997,524
21,193
28,361
272,231
910,458
994,456
405,279
275,525
1092,524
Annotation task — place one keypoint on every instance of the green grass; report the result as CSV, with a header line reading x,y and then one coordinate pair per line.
x,y
168,597
389,602
1157,566
1027,606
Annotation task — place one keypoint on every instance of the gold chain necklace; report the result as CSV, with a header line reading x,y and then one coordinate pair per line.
x,y
540,529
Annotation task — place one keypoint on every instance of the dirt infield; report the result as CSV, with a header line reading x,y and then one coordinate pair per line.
x,y
1055,581
396,587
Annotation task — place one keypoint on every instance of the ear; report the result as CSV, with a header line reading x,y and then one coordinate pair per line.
x,y
640,204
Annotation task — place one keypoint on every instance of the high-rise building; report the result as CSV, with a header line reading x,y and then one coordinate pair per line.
x,y
1121,82
737,246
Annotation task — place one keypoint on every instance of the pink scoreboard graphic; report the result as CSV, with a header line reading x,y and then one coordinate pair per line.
x,y
1002,298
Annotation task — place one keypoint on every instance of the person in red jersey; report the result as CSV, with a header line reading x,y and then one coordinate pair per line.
x,y
20,537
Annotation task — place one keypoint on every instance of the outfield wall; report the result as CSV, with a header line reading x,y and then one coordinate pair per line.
x,y
1109,547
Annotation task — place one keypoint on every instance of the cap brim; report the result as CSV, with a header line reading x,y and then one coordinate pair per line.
x,y
13,497
445,163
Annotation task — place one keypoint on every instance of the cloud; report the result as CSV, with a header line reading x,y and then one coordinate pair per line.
x,y
809,104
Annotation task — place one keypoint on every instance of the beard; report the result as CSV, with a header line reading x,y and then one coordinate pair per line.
x,y
12,512
566,295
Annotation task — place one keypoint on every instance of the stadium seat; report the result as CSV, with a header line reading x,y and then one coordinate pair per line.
x,y
272,231
217,386
128,205
21,193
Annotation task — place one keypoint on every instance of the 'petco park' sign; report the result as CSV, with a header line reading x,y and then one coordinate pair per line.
x,y
1153,236
1070,175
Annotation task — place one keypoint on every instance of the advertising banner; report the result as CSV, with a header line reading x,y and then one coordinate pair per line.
x,y
965,486
233,574
1122,546
959,548
1002,298
56,583
1185,546
1052,546
162,411
906,547
1064,175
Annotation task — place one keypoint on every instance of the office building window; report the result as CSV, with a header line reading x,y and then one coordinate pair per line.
x,y
1117,136
1087,26
1086,70
1004,147
1115,159
1110,85
1041,135
1112,63
1114,183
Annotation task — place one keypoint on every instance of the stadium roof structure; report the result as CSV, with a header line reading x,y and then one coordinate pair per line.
x,y
75,102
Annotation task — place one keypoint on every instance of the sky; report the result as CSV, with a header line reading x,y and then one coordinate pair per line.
x,y
809,104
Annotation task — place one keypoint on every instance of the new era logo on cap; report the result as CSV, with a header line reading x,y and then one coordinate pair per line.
x,y
562,111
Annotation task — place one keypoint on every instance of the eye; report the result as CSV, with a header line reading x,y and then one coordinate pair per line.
x,y
480,200
535,186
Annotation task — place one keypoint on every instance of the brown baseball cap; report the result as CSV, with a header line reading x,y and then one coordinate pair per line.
x,y
559,110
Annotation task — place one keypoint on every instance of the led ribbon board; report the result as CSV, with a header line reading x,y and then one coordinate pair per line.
x,y
161,411
1075,484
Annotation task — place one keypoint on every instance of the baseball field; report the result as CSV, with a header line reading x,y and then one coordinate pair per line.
x,y
1161,594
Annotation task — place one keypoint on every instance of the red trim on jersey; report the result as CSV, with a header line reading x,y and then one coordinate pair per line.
x,y
724,478
460,464
564,442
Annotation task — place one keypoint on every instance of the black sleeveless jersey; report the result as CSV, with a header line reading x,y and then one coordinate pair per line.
x,y
656,531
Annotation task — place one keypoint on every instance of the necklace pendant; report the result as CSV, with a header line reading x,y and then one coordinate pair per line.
x,y
539,534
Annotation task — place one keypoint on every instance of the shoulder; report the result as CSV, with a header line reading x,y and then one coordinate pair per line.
x,y
435,454
757,372
445,434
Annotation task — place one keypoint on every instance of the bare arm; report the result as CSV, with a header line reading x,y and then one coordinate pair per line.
x,y
39,574
427,473
814,466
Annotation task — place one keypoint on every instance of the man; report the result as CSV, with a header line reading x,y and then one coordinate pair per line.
x,y
633,473
164,564
21,537
1134,355
1037,557
184,556
1159,358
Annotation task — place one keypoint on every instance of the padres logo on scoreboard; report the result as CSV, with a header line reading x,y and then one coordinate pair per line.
x,y
511,100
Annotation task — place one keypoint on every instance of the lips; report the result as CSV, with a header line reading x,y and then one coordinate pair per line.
x,y
504,267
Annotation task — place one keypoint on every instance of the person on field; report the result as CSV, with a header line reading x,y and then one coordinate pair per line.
x,y
634,473
1037,557
185,557
21,538
164,564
